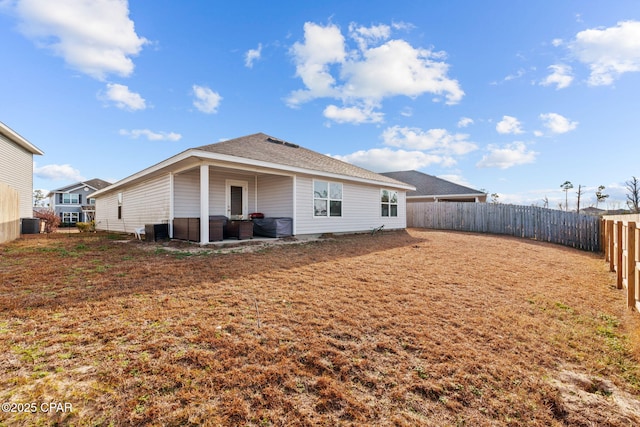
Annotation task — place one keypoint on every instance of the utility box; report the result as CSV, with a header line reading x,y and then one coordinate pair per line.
x,y
30,226
155,232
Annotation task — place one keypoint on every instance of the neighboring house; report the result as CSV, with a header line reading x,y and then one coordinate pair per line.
x,y
433,189
16,181
255,173
16,166
75,203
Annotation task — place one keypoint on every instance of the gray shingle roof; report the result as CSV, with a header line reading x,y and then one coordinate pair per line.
x,y
429,185
96,183
265,148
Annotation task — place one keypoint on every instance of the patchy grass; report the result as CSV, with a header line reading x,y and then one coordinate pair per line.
x,y
400,328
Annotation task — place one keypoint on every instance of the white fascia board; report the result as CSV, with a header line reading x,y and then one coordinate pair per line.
x,y
19,140
298,170
447,195
151,169
243,162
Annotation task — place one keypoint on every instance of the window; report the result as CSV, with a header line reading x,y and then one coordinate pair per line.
x,y
92,201
70,199
327,198
72,217
389,202
119,205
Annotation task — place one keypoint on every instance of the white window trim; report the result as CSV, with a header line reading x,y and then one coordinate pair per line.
x,y
69,216
389,204
328,199
77,202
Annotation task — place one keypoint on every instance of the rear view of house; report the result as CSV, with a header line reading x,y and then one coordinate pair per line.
x,y
16,181
255,173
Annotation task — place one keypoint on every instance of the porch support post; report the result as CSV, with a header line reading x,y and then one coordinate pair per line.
x,y
204,204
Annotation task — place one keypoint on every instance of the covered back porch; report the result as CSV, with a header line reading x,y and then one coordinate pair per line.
x,y
226,197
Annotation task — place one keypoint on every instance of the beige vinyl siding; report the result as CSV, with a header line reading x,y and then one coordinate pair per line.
x,y
360,209
186,194
145,203
275,196
16,170
218,190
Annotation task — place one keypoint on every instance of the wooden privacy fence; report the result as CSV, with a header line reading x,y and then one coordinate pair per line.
x,y
547,225
9,213
621,245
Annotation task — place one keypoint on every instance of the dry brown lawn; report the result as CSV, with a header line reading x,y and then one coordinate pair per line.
x,y
402,328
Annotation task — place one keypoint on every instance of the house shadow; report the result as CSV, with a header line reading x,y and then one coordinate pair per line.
x,y
66,271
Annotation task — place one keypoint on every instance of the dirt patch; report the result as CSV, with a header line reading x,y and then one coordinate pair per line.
x,y
401,328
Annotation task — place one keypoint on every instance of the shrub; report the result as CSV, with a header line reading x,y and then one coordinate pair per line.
x,y
83,226
49,218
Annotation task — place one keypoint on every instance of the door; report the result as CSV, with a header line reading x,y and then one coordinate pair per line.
x,y
237,199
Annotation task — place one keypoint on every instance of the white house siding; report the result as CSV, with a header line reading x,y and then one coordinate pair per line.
x,y
218,190
275,196
360,209
186,194
144,203
16,170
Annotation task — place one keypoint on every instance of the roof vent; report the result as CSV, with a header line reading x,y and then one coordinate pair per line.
x,y
278,141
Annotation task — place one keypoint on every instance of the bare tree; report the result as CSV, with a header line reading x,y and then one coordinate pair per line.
x,y
566,186
600,196
494,198
38,198
633,196
546,202
579,193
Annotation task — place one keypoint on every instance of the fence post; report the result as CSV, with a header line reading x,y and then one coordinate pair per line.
x,y
631,264
618,253
610,244
636,266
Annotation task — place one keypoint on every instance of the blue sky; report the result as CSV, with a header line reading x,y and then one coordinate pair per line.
x,y
513,97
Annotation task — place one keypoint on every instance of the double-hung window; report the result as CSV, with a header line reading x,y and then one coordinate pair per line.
x,y
327,198
72,217
389,202
70,199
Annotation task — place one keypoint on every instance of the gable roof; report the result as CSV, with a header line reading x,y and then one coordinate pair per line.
x,y
263,152
265,148
429,185
13,136
94,184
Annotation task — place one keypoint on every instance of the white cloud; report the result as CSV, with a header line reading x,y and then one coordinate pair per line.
x,y
507,156
95,37
509,125
377,68
365,36
322,47
438,141
609,52
387,159
464,122
207,101
353,115
560,76
252,55
397,68
557,123
58,172
123,97
151,135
